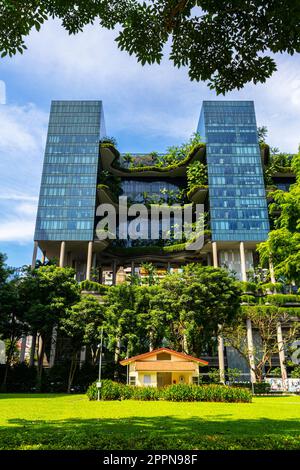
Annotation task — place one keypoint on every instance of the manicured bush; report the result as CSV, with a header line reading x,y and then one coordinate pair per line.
x,y
180,392
261,388
216,393
248,287
145,393
92,286
272,287
110,390
282,299
248,299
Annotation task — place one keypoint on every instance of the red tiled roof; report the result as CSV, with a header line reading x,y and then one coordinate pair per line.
x,y
187,357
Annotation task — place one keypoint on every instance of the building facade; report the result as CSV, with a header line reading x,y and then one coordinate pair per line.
x,y
82,170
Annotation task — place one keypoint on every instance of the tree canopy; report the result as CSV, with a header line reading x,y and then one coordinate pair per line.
x,y
283,243
226,43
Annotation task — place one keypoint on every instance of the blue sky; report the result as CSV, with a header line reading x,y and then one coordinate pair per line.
x,y
146,108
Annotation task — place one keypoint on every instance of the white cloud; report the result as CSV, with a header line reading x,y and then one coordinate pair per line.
x,y
22,138
2,92
18,223
152,100
18,230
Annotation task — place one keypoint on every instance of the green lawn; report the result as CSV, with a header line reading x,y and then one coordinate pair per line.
x,y
72,422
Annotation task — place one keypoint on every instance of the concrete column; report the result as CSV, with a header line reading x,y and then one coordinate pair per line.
x,y
208,259
215,254
62,254
221,358
243,262
53,347
281,353
250,350
114,273
34,254
82,356
23,348
89,261
272,274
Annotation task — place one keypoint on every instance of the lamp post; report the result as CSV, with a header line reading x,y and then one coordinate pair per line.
x,y
100,364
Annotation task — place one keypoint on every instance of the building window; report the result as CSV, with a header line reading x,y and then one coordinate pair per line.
x,y
195,380
147,379
132,380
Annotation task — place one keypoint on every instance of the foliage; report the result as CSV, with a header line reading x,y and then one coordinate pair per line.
x,y
180,392
176,156
262,133
219,393
248,299
151,273
283,243
112,182
12,324
197,301
108,140
47,293
239,34
248,287
197,175
264,320
82,323
295,374
278,163
109,390
282,299
275,287
261,388
92,286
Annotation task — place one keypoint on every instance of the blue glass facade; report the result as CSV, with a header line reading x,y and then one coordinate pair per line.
x,y
67,199
238,206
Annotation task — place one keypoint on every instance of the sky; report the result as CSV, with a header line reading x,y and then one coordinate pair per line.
x,y
146,109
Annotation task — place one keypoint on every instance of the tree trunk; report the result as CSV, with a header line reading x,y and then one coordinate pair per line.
x,y
185,344
151,341
72,371
117,357
41,352
32,350
7,364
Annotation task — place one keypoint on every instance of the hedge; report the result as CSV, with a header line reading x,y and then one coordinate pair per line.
x,y
194,189
282,299
92,286
180,392
165,169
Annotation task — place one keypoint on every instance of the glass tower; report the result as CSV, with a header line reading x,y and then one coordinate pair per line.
x,y
66,209
238,206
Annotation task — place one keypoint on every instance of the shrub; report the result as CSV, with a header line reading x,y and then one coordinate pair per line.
x,y
180,392
216,393
272,287
246,287
281,299
248,299
92,286
145,393
110,390
261,388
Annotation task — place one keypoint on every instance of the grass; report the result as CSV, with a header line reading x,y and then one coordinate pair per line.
x,y
72,422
